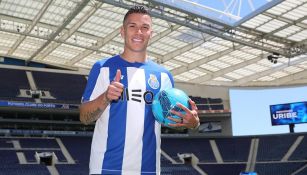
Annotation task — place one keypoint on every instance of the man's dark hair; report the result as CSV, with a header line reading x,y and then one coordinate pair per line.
x,y
136,9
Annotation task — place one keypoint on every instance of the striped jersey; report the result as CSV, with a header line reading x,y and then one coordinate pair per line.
x,y
126,138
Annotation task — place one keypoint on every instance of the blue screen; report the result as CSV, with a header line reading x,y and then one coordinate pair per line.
x,y
284,114
248,173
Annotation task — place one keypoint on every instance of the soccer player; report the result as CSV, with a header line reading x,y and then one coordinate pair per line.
x,y
118,97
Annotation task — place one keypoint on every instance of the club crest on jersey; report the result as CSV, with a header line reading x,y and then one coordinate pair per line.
x,y
153,81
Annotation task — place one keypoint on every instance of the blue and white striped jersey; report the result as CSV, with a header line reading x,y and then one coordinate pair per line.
x,y
126,139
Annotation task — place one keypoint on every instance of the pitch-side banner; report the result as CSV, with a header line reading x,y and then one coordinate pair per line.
x,y
289,113
37,105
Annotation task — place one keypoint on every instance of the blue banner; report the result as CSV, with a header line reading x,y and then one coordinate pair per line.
x,y
38,105
290,113
44,132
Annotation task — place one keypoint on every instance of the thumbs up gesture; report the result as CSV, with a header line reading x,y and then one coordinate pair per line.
x,y
116,88
118,75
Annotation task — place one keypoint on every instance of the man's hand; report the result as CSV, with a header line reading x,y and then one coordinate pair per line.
x,y
189,119
91,111
116,88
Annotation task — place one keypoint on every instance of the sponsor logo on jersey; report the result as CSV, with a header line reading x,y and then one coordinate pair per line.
x,y
137,95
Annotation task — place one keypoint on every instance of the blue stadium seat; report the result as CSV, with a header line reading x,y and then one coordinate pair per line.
x,y
199,147
300,152
221,169
274,147
283,168
9,90
66,88
234,149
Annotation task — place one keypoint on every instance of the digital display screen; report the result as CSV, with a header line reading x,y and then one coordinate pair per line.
x,y
289,113
248,173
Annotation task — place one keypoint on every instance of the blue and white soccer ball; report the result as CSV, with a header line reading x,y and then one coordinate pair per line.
x,y
165,101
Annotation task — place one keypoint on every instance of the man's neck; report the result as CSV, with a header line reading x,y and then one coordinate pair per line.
x,y
134,57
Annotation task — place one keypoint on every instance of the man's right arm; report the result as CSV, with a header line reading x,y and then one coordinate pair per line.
x,y
90,111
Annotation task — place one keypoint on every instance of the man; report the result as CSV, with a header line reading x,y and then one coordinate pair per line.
x,y
118,97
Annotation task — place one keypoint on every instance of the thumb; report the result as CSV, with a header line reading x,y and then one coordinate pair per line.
x,y
118,75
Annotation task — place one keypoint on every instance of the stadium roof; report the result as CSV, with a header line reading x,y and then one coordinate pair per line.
x,y
201,48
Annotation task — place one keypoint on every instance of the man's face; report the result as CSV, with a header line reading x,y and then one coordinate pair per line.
x,y
136,32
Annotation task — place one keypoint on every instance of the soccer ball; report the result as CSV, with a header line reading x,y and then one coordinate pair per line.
x,y
165,101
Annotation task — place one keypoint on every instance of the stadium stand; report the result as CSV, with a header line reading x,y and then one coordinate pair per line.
x,y
37,143
178,169
303,171
77,162
28,169
234,149
208,103
167,167
229,169
274,148
65,88
8,157
199,147
71,142
300,152
10,90
284,168
72,169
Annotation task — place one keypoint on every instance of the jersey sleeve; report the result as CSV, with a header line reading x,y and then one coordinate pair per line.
x,y
91,82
